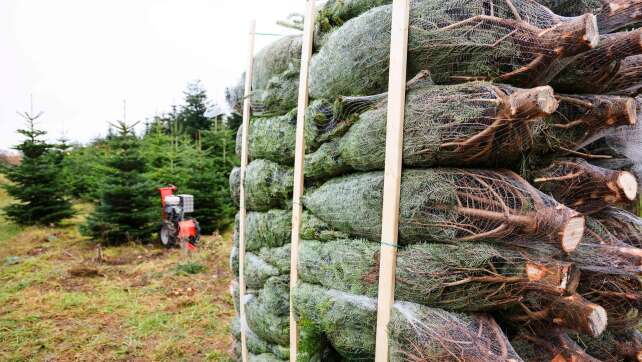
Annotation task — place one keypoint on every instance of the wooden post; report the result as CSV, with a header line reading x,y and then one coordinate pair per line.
x,y
392,176
297,209
242,211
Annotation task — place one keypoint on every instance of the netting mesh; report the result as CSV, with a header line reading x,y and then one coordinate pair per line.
x,y
471,240
584,187
270,262
418,333
542,344
572,7
273,138
519,42
265,229
275,59
594,70
613,346
600,251
267,313
620,296
627,81
579,121
463,277
234,95
256,345
622,224
612,15
268,185
275,80
491,125
604,251
448,205
272,229
334,13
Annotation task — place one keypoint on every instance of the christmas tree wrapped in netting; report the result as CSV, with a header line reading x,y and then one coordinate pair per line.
x,y
518,42
521,149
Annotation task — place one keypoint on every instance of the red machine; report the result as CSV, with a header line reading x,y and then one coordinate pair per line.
x,y
177,228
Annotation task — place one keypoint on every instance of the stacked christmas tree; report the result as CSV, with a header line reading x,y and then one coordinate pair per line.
x,y
519,141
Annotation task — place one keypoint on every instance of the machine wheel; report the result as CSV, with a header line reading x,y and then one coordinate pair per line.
x,y
168,235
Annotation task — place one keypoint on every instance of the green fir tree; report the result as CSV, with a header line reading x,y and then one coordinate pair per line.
x,y
216,159
191,118
37,181
126,211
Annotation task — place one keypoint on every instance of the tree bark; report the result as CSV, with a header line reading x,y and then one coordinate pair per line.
x,y
619,14
591,71
628,80
614,346
584,187
620,296
579,120
552,344
626,226
571,312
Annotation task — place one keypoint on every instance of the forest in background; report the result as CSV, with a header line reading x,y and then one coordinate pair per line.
x,y
120,173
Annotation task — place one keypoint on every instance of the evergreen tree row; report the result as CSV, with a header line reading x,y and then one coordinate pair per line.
x,y
121,173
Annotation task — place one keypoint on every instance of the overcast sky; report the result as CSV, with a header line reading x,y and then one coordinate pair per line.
x,y
81,58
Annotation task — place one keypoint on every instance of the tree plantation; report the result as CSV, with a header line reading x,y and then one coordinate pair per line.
x,y
121,173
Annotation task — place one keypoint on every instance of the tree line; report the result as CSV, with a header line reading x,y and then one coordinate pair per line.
x,y
121,173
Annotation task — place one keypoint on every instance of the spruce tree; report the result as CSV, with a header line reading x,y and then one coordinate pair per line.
x,y
164,154
191,117
37,181
126,211
84,169
215,160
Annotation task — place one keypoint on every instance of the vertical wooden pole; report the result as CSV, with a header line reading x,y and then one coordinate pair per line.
x,y
297,209
242,211
392,176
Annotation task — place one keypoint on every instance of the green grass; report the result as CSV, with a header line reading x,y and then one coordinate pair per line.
x,y
142,303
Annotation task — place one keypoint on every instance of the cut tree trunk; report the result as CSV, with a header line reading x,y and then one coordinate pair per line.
x,y
592,71
626,226
571,312
614,346
612,15
449,205
467,277
584,187
549,345
619,14
620,296
579,120
628,79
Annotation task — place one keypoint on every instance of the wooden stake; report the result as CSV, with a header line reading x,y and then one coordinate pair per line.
x,y
306,54
242,211
392,176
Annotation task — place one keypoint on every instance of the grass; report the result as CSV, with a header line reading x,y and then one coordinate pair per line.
x,y
139,303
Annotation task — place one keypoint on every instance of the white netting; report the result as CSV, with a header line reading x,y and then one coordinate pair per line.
x,y
500,244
